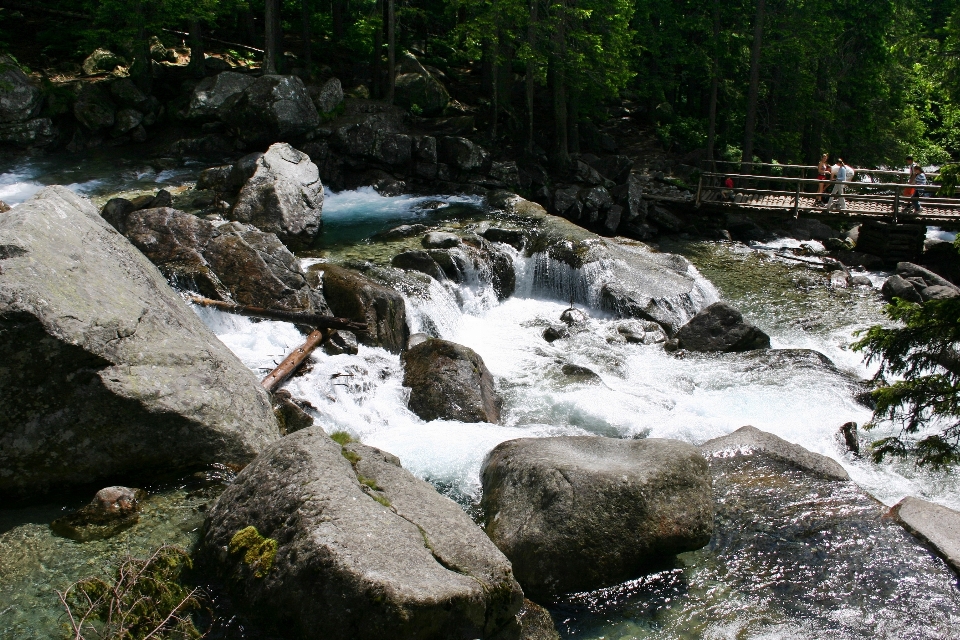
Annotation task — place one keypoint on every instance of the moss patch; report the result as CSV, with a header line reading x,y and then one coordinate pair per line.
x,y
342,438
259,552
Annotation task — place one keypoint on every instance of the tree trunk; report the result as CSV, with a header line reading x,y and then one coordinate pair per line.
x,y
339,13
197,66
573,119
249,27
532,42
561,153
377,88
293,361
142,69
391,50
714,84
271,53
306,36
495,76
754,91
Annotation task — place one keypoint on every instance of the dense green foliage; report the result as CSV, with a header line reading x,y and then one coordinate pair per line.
x,y
869,81
919,380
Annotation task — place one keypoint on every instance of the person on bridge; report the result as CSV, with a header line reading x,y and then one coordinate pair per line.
x,y
841,173
823,175
918,178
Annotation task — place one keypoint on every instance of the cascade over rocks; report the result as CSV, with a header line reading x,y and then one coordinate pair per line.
x,y
20,98
108,373
720,327
230,262
271,108
357,297
631,279
358,551
576,513
283,196
449,381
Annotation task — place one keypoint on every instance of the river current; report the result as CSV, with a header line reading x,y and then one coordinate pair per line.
x,y
642,391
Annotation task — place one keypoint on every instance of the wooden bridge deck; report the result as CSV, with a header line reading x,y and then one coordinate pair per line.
x,y
882,201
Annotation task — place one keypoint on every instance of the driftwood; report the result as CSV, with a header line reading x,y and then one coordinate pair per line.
x,y
308,319
290,364
232,44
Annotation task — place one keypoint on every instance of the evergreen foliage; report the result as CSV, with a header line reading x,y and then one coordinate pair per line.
x,y
919,380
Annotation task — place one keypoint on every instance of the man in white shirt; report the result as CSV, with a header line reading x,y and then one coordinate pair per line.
x,y
841,173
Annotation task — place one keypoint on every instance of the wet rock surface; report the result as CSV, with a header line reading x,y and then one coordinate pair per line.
x,y
112,510
748,440
230,262
283,196
914,283
932,523
355,296
361,548
20,99
110,374
577,513
721,327
449,381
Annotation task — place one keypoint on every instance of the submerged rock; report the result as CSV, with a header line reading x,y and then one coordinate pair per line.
x,y
283,196
578,513
449,381
720,327
108,373
935,524
355,547
355,296
112,510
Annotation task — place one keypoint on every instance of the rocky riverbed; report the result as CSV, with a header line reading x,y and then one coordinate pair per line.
x,y
555,331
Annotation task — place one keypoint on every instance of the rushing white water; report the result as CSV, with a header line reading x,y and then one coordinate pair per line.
x,y
644,391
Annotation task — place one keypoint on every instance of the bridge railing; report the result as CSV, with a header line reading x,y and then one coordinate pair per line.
x,y
777,170
886,200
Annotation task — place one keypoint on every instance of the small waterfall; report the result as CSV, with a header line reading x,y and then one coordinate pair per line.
x,y
541,276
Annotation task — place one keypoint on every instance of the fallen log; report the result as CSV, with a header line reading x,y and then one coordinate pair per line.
x,y
309,319
293,361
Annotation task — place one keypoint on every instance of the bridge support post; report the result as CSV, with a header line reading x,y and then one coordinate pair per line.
x,y
796,202
896,205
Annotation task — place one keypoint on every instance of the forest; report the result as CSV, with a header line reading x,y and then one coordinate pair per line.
x,y
774,80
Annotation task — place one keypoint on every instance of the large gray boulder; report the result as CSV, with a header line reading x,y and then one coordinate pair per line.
x,y
799,542
271,108
213,96
750,440
935,524
898,287
38,132
230,262
914,283
328,97
93,108
449,381
102,61
283,196
463,154
20,99
363,551
720,327
417,86
355,296
107,373
618,275
577,513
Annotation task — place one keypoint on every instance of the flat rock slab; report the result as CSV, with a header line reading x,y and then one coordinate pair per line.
x,y
106,371
748,440
577,513
364,550
934,524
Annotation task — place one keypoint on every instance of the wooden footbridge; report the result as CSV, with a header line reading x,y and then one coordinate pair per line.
x,y
877,195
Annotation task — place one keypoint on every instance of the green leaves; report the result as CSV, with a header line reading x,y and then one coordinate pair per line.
x,y
918,379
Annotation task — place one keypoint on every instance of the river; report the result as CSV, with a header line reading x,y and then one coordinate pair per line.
x,y
643,391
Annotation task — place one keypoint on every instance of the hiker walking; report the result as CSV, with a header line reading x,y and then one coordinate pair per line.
x,y
823,175
918,179
841,173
